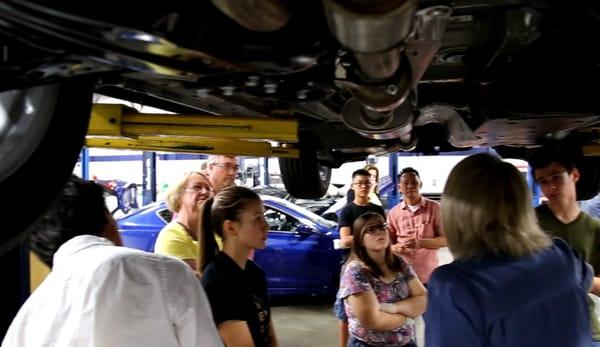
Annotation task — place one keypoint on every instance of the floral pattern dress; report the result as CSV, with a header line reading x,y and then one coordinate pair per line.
x,y
357,278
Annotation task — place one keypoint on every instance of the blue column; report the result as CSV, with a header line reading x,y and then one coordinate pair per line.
x,y
85,163
266,176
536,194
149,177
256,176
393,172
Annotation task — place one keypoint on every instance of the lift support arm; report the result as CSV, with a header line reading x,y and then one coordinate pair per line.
x,y
116,126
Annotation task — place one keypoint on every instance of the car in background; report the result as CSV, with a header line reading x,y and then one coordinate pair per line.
x,y
126,193
317,206
299,258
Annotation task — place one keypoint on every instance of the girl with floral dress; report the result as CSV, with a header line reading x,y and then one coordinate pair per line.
x,y
380,291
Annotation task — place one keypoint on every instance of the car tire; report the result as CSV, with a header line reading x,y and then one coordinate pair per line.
x,y
304,177
48,126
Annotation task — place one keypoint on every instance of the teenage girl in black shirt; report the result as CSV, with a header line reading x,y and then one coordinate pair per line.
x,y
236,287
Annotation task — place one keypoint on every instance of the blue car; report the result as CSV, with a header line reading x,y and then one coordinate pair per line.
x,y
299,258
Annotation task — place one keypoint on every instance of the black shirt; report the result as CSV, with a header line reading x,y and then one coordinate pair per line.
x,y
350,213
239,294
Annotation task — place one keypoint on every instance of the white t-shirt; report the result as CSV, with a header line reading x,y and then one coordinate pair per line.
x,y
101,295
413,208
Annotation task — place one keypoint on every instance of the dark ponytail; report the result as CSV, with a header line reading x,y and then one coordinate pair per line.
x,y
228,204
206,236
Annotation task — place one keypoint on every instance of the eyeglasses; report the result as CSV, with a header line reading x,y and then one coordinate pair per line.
x,y
362,183
228,166
554,179
200,189
375,229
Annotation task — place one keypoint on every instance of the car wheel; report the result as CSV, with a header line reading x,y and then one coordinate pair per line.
x,y
42,130
304,177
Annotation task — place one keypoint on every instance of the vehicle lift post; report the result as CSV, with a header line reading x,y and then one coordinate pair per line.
x,y
85,163
393,172
148,177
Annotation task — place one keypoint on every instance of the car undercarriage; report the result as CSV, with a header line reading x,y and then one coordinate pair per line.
x,y
359,77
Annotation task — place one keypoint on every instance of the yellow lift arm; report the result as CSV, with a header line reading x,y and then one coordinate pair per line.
x,y
116,126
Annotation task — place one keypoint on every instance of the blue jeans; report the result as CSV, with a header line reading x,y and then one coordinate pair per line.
x,y
339,309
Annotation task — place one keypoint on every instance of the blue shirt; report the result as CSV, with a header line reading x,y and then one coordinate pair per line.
x,y
591,206
538,300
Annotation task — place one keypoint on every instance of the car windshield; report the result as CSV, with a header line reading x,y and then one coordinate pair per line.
x,y
306,212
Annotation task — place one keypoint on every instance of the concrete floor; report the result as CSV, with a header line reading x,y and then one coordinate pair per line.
x,y
310,322
305,325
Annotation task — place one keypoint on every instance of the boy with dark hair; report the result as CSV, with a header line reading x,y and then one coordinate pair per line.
x,y
361,184
104,295
556,173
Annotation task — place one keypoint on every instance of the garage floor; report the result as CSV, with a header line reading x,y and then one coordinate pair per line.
x,y
305,325
309,323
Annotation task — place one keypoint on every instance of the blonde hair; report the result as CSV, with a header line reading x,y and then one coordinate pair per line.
x,y
486,208
369,167
176,192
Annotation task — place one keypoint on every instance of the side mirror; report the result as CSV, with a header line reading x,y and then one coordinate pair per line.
x,y
128,198
304,229
111,201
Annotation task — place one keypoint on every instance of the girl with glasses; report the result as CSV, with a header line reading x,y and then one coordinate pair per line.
x,y
380,291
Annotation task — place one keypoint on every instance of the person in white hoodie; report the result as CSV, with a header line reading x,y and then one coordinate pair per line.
x,y
102,295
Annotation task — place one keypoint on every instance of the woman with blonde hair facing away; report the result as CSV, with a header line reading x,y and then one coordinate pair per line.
x,y
381,292
179,238
236,287
510,284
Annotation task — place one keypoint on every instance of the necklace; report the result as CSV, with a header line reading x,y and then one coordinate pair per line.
x,y
185,227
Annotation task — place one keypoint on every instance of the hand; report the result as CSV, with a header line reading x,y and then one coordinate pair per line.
x,y
412,244
397,249
388,307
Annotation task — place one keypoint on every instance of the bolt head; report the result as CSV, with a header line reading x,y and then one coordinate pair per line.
x,y
391,89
